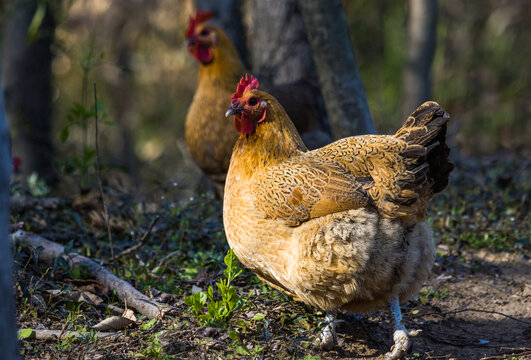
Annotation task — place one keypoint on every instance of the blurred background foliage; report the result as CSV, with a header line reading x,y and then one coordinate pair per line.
x,y
481,72
134,51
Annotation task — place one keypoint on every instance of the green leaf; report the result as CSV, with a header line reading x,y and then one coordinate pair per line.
x,y
24,333
242,350
239,305
88,154
234,335
36,21
148,325
258,316
230,259
64,134
210,293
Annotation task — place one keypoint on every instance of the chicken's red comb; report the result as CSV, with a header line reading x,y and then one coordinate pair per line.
x,y
246,83
200,16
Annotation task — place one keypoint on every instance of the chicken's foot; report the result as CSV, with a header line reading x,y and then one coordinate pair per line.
x,y
328,337
401,334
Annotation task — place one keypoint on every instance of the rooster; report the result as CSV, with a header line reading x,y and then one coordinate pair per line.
x,y
341,227
209,137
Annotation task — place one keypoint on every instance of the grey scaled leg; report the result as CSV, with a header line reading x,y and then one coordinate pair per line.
x,y
401,334
327,337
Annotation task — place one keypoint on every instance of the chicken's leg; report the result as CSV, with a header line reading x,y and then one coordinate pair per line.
x,y
401,334
327,337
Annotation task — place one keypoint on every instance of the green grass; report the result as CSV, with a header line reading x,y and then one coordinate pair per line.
x,y
486,206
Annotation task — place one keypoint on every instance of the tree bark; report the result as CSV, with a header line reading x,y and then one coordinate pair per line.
x,y
281,52
340,81
27,86
422,38
8,339
282,60
228,16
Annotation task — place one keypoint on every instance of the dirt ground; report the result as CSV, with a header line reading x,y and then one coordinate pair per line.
x,y
484,313
476,305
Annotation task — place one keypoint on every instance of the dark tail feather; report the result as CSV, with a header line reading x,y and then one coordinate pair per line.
x,y
426,127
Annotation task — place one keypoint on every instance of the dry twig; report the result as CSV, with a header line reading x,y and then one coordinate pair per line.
x,y
124,290
139,244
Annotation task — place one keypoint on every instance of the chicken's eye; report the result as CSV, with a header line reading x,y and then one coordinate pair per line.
x,y
204,32
253,101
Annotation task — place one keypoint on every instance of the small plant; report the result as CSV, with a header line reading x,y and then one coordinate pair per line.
x,y
79,116
219,312
241,349
37,187
155,349
148,325
424,295
65,344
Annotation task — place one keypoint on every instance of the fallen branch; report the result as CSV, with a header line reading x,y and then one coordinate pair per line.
x,y
28,202
139,244
50,250
59,334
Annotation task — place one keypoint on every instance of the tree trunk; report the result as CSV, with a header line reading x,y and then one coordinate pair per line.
x,y
282,60
422,31
124,91
27,85
8,337
339,78
228,16
280,49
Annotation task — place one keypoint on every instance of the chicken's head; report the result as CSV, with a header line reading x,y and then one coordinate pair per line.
x,y
201,37
248,107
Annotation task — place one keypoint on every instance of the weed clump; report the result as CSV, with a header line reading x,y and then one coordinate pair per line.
x,y
218,312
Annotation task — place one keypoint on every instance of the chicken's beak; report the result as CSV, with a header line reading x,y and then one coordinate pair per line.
x,y
190,41
234,109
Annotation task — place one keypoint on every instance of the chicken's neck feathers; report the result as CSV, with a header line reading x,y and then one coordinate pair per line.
x,y
224,70
271,143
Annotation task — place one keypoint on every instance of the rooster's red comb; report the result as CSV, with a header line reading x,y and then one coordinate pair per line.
x,y
200,16
246,83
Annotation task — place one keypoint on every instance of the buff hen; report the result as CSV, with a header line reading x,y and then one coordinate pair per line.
x,y
209,137
341,228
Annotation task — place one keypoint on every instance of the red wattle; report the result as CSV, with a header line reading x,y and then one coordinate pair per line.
x,y
243,125
201,53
